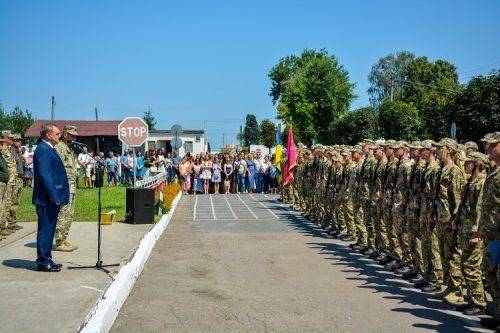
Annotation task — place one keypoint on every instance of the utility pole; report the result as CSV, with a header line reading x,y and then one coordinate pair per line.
x,y
223,143
53,112
96,114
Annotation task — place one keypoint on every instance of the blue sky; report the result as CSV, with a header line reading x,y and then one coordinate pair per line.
x,y
208,60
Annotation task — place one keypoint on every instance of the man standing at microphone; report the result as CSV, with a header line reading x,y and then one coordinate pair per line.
x,y
50,193
65,218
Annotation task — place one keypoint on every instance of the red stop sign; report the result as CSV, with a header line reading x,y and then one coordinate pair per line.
x,y
133,131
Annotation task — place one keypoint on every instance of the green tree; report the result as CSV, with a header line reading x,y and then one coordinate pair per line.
x,y
311,91
399,121
18,121
476,108
267,133
149,119
354,126
385,76
251,131
284,135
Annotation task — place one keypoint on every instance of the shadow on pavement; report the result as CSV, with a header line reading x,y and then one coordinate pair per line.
x,y
377,278
31,245
20,263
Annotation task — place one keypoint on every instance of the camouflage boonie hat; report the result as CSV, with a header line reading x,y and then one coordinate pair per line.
x,y
388,143
17,137
477,157
355,148
427,144
70,129
471,144
415,145
491,137
399,144
447,142
6,134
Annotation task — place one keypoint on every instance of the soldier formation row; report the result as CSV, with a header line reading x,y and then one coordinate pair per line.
x,y
426,210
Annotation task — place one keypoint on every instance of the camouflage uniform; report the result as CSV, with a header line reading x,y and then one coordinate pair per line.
x,y
11,184
472,254
17,185
67,212
366,179
4,171
399,209
382,243
346,195
389,182
433,269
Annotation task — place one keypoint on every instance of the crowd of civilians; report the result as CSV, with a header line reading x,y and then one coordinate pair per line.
x,y
198,174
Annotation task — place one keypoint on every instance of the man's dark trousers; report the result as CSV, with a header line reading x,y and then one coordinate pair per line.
x,y
47,219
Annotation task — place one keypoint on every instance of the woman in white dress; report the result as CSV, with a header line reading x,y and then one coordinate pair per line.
x,y
206,173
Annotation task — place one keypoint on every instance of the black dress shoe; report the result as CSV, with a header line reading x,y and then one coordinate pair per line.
x,y
392,265
489,322
353,245
16,227
379,257
384,260
358,247
402,270
432,287
474,311
369,253
346,239
47,268
463,307
421,284
417,279
410,275
363,249
56,265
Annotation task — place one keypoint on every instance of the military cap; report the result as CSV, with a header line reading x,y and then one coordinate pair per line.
x,y
366,142
388,143
415,145
427,144
491,137
399,144
355,148
471,144
461,147
17,137
447,142
70,129
6,134
345,152
477,157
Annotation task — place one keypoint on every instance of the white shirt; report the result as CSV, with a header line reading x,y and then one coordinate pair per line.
x,y
50,144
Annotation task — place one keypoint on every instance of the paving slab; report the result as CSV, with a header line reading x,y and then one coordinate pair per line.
x,y
269,270
32,301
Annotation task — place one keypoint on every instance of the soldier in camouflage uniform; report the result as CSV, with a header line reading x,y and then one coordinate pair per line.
x,y
450,188
346,196
4,179
414,227
391,177
12,183
400,204
361,232
466,226
381,240
67,212
364,199
489,220
15,149
433,269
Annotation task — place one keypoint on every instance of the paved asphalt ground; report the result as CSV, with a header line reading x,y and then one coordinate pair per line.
x,y
247,263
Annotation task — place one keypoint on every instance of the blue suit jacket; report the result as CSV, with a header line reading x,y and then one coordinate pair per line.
x,y
51,185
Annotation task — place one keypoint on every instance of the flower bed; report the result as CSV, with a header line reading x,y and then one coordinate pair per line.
x,y
169,193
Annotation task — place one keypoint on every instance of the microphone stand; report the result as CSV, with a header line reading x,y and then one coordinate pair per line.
x,y
99,181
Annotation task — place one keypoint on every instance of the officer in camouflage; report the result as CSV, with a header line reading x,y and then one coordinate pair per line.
x,y
4,179
67,212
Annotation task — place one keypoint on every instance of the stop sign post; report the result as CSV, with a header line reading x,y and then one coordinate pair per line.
x,y
133,132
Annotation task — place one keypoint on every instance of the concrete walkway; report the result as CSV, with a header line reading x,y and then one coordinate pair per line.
x,y
32,301
246,263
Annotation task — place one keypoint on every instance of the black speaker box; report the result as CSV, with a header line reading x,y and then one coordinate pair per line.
x,y
140,206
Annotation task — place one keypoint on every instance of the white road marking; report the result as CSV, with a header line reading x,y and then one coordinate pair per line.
x,y
195,205
269,210
230,208
213,210
256,217
92,288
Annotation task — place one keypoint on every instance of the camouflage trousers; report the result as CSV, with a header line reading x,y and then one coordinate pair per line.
x,y
492,273
3,208
348,210
384,227
338,216
11,201
381,240
64,220
393,234
471,262
368,220
451,254
433,269
359,220
400,235
414,232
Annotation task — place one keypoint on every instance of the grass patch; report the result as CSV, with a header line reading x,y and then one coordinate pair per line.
x,y
86,204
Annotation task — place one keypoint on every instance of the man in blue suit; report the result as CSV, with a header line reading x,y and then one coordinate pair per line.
x,y
50,193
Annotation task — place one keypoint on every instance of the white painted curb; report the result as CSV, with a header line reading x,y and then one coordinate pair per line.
x,y
103,314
